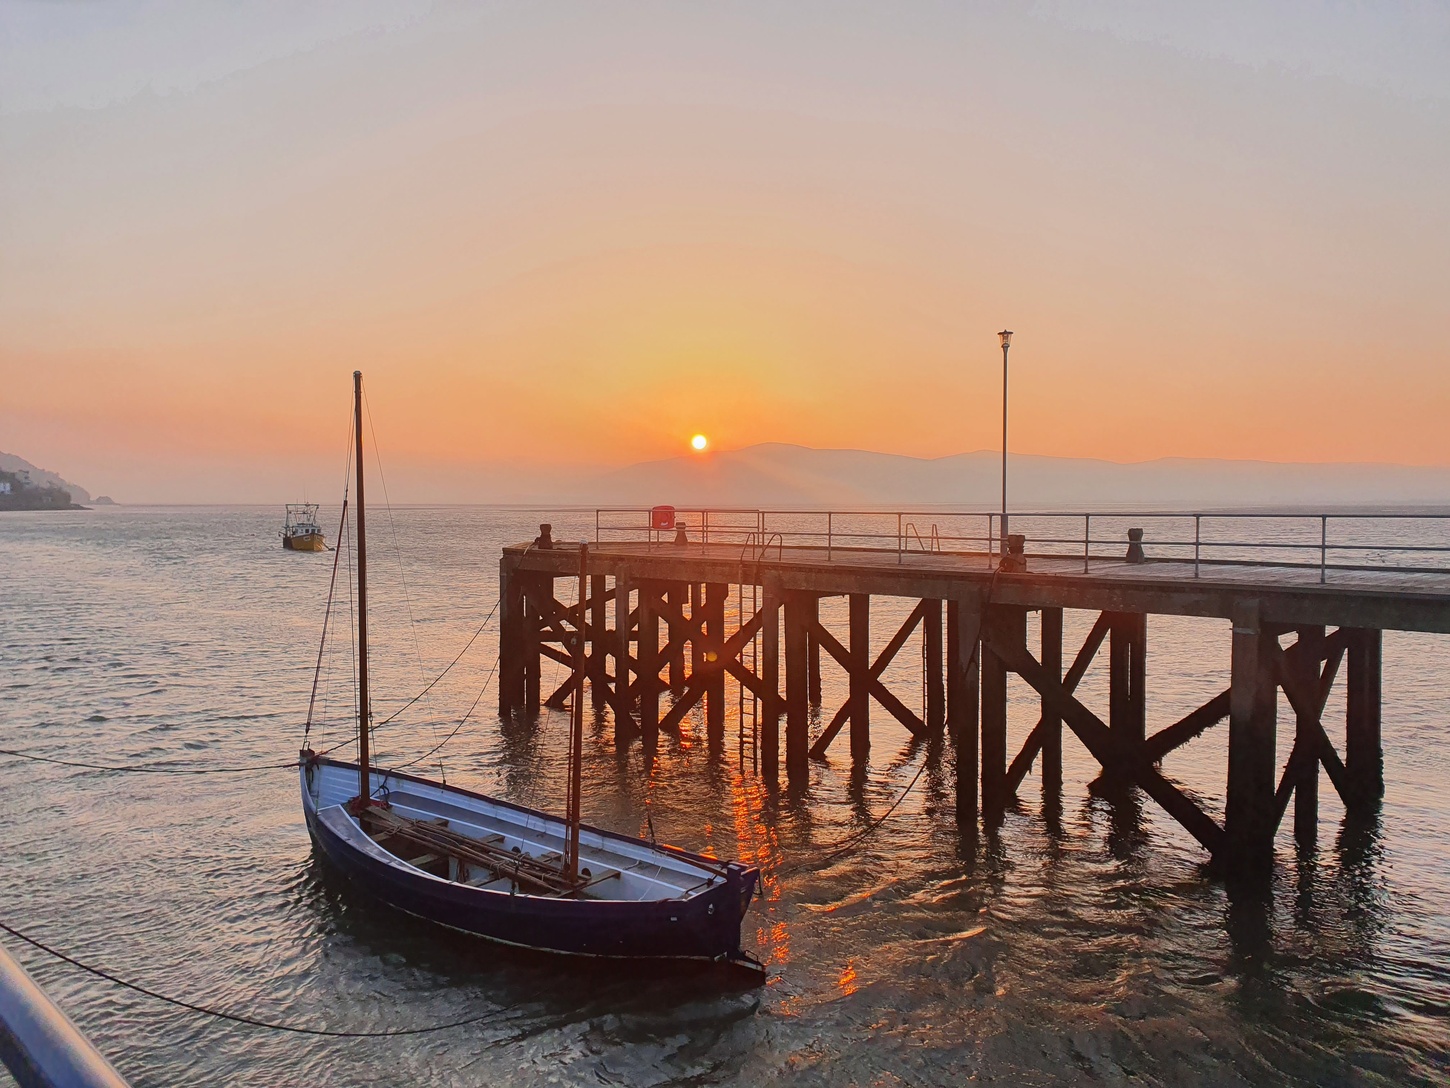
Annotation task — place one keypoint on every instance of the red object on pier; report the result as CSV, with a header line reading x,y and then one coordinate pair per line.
x,y
662,518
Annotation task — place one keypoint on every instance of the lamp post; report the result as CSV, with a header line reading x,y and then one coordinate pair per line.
x,y
1006,335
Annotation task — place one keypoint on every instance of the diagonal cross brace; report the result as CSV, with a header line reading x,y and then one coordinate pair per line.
x,y
879,691
1309,707
695,685
1107,748
1033,747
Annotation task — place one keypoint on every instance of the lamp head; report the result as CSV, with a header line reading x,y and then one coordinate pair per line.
x,y
1006,335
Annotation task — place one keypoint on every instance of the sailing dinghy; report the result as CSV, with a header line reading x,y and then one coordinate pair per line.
x,y
509,873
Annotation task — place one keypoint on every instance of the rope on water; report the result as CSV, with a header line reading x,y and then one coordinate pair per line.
x,y
446,669
148,768
462,721
251,1021
835,850
846,844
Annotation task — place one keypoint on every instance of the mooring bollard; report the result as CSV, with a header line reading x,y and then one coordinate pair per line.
x,y
1015,561
1135,546
545,540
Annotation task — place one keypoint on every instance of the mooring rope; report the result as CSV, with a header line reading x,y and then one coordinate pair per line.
x,y
326,618
836,849
252,1021
147,768
486,681
481,627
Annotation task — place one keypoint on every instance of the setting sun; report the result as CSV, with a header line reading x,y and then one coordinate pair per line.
x,y
699,442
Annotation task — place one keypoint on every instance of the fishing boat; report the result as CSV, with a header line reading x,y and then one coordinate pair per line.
x,y
300,531
504,872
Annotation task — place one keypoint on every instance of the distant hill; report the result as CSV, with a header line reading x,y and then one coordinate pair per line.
x,y
775,474
40,477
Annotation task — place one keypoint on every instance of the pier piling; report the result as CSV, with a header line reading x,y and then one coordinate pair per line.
x,y
1364,757
968,649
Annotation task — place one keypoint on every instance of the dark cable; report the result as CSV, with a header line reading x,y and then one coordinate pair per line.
x,y
148,768
487,680
837,849
440,676
238,1018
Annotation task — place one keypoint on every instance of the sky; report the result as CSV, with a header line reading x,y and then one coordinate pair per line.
x,y
561,237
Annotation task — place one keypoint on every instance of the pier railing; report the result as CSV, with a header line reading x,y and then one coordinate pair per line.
x,y
39,1044
1405,543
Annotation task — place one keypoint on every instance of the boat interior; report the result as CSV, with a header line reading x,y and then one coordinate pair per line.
x,y
474,842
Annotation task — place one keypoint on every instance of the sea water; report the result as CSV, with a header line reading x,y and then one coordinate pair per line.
x,y
1080,945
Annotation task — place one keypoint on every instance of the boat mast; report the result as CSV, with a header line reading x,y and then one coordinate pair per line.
x,y
576,730
364,715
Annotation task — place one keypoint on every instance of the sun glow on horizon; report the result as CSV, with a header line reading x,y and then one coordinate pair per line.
x,y
699,442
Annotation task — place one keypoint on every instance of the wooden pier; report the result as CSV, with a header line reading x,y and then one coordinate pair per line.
x,y
654,625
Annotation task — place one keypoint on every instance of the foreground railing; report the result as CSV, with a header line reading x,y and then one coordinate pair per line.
x,y
39,1044
1408,543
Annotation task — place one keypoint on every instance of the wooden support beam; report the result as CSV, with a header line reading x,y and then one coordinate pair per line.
x,y
1253,702
533,624
699,683
964,629
1307,700
673,612
624,620
1080,663
770,679
932,650
714,660
1364,754
859,678
553,653
748,679
1050,721
877,689
797,696
813,652
1106,747
1127,659
647,653
1310,739
560,698
1189,726
1008,623
598,647
1216,709
572,613
511,668
1305,667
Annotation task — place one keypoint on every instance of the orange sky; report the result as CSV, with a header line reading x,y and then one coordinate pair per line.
x,y
577,237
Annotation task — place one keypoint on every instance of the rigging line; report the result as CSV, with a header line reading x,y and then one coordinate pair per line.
x,y
492,670
836,850
444,673
481,628
393,528
147,768
238,1018
487,680
326,617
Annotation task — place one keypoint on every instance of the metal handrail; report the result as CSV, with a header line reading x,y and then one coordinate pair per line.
x,y
764,541
873,529
39,1044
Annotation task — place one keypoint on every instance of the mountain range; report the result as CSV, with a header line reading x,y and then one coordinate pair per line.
x,y
776,474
